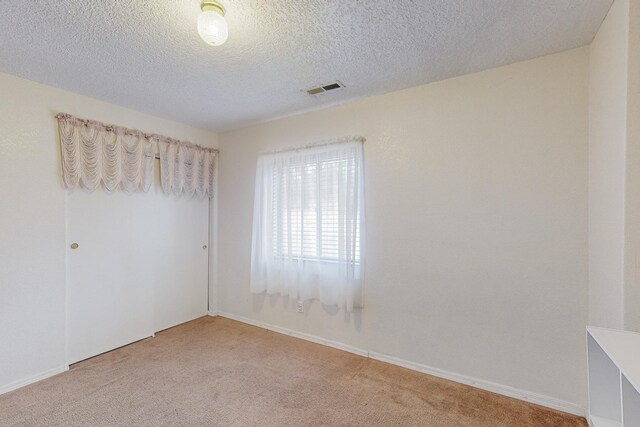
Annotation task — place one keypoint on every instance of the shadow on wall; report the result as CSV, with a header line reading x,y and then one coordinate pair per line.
x,y
259,301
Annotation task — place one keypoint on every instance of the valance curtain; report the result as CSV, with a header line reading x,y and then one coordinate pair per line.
x,y
124,158
186,168
308,224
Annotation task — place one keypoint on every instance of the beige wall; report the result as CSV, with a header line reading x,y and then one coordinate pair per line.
x,y
632,169
614,170
476,204
607,136
32,219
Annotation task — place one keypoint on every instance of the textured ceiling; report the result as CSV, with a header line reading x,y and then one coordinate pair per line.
x,y
147,55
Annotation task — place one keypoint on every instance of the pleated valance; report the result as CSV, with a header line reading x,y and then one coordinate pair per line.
x,y
93,152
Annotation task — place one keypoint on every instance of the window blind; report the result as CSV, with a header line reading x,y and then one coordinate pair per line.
x,y
308,224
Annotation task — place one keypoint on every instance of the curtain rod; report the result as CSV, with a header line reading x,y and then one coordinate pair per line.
x,y
341,140
127,131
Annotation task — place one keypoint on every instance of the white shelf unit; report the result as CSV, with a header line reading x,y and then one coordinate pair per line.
x,y
614,377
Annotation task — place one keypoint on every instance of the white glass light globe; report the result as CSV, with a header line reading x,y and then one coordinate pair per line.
x,y
213,28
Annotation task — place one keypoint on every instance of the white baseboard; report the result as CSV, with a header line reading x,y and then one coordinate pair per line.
x,y
505,390
285,331
35,378
539,399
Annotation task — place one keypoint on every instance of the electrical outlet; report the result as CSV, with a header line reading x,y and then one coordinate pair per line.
x,y
300,307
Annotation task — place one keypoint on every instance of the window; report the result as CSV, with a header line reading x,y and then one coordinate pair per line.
x,y
308,224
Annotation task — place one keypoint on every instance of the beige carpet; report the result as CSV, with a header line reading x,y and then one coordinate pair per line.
x,y
218,372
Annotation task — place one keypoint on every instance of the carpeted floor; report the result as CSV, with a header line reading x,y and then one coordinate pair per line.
x,y
218,372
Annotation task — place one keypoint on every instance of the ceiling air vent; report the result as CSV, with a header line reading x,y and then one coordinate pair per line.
x,y
325,88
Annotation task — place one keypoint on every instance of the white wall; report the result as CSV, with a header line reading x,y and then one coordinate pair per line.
x,y
476,204
607,138
32,219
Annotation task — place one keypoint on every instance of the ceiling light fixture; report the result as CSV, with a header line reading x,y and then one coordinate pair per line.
x,y
212,26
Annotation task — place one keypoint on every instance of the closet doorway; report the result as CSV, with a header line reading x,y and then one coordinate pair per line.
x,y
140,266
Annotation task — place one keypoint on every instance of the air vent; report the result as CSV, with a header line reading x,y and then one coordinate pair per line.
x,y
315,91
325,88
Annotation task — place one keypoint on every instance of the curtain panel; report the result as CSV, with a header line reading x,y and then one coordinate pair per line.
x,y
308,224
93,152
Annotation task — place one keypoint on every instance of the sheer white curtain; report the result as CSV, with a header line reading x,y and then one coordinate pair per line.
x,y
308,224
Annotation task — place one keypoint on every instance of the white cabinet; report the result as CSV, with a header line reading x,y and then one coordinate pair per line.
x,y
614,377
